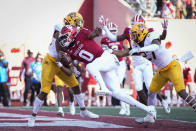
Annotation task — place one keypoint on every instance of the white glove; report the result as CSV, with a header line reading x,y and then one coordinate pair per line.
x,y
165,24
76,72
104,47
103,21
135,50
59,64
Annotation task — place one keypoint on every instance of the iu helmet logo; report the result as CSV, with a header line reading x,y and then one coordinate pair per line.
x,y
67,35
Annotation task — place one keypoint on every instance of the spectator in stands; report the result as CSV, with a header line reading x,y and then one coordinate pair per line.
x,y
168,11
36,68
180,9
194,9
189,8
4,91
195,76
187,77
28,74
148,8
92,84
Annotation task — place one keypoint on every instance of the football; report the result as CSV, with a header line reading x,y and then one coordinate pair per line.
x,y
66,60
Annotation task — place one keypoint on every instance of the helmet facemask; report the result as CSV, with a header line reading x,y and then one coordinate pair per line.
x,y
67,36
113,28
138,32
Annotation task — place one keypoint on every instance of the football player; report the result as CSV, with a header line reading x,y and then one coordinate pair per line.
x,y
101,64
117,45
149,44
52,66
75,19
142,68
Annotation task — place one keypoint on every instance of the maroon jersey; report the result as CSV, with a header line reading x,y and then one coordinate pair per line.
x,y
127,32
114,45
85,50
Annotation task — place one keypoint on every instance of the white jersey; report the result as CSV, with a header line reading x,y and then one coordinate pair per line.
x,y
52,47
138,59
161,57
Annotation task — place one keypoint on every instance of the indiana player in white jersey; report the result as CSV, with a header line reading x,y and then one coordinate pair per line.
x,y
168,69
121,70
52,66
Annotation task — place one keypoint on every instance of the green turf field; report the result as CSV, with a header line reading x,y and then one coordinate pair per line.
x,y
182,113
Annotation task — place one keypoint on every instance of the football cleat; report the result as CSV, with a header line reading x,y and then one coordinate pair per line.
x,y
166,106
148,118
72,108
153,111
60,112
31,121
122,112
103,93
88,114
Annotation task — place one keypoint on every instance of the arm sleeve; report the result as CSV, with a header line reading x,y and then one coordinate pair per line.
x,y
153,47
163,35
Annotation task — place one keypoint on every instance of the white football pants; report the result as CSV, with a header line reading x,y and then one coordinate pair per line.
x,y
103,69
142,73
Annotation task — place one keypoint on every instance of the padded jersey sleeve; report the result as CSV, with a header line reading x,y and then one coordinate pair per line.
x,y
126,33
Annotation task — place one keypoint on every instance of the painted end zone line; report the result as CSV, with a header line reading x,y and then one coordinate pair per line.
x,y
20,120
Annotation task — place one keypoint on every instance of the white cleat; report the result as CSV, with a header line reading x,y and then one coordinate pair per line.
x,y
72,108
103,93
147,119
153,111
127,113
166,106
122,112
88,114
60,113
31,121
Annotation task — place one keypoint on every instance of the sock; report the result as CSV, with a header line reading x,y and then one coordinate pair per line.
x,y
122,105
80,100
152,98
60,109
129,100
89,102
37,104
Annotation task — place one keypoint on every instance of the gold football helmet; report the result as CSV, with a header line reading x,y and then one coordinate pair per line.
x,y
75,19
138,32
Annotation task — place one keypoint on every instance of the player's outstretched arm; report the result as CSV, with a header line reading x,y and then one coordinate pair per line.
x,y
113,37
164,33
97,32
122,53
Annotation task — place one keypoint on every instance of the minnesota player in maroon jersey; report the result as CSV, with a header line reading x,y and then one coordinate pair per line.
x,y
101,64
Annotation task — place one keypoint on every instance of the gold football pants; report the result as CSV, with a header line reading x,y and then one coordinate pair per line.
x,y
172,72
49,70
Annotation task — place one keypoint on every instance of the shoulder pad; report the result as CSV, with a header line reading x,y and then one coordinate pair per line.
x,y
154,35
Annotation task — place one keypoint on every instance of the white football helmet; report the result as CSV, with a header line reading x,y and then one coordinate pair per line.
x,y
67,35
137,19
113,28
